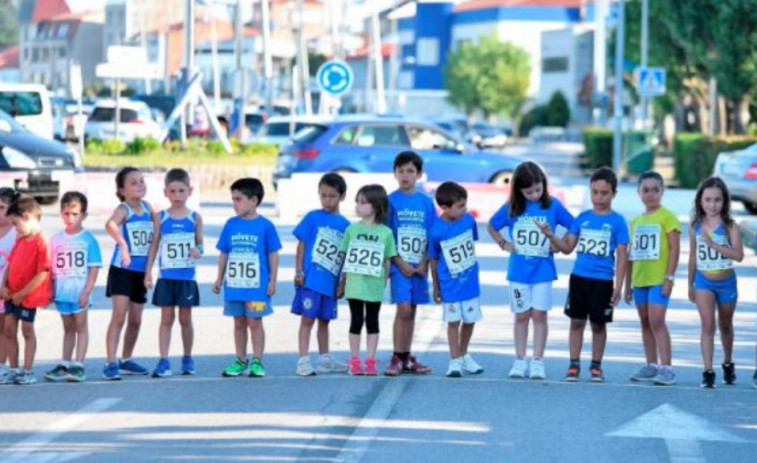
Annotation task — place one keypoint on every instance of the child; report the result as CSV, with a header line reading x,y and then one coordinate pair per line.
x,y
26,285
76,261
454,271
411,215
531,268
7,240
131,228
317,268
368,245
249,261
178,238
600,234
714,243
655,247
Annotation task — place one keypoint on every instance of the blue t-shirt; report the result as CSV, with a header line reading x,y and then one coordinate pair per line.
x,y
598,236
137,231
247,243
71,257
411,216
322,234
533,261
177,238
452,245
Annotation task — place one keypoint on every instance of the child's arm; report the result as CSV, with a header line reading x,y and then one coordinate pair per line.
x,y
628,293
222,259
620,274
273,270
199,249
692,261
153,252
340,288
404,267
5,292
499,239
435,280
674,245
111,227
423,266
299,264
386,269
91,281
31,286
561,245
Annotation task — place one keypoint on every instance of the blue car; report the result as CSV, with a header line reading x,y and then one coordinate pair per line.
x,y
366,144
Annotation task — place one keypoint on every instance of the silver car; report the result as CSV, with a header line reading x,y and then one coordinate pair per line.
x,y
739,171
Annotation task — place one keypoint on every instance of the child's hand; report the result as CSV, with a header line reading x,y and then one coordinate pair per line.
x,y
126,257
507,246
615,298
195,253
148,280
422,268
544,227
667,288
340,291
271,290
17,298
706,237
299,279
628,297
216,288
5,293
406,269
83,300
437,295
691,294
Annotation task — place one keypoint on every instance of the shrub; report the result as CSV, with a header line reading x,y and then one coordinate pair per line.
x,y
557,110
597,147
695,155
534,118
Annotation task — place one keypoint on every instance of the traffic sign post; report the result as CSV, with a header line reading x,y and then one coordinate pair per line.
x,y
651,82
334,78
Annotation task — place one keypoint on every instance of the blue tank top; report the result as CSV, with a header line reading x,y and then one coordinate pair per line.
x,y
137,231
177,238
708,260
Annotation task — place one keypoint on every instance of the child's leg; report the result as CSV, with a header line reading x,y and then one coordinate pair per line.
x,y
3,350
134,322
69,336
11,340
372,327
82,335
453,339
466,333
598,341
303,337
404,325
705,301
356,325
240,336
117,320
647,336
576,337
520,332
30,344
257,333
725,323
541,330
167,317
323,336
187,330
660,332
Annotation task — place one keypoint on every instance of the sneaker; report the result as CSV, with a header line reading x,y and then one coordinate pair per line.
x,y
7,376
470,366
597,375
162,369
645,374
57,374
187,365
326,363
256,369
76,374
708,380
729,373
130,367
394,368
415,367
236,368
304,367
356,369
665,377
455,369
573,373
25,378
370,367
537,370
110,372
518,370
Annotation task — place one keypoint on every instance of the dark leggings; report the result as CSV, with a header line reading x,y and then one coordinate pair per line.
x,y
371,316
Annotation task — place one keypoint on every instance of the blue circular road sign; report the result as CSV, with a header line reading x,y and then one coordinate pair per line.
x,y
334,77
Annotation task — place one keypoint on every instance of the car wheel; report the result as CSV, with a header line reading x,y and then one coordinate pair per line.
x,y
750,207
501,178
46,200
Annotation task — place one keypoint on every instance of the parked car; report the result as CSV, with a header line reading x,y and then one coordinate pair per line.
x,y
136,120
39,162
278,130
739,171
361,144
487,136
30,105
68,124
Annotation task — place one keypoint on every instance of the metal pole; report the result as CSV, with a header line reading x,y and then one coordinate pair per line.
x,y
617,141
713,105
214,64
189,50
644,56
600,59
117,115
302,56
241,77
267,58
378,59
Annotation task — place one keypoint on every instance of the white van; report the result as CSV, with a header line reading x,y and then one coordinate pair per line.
x,y
30,105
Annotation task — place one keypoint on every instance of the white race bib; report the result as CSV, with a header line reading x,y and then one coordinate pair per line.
x,y
364,258
243,270
174,250
594,242
326,251
411,243
646,242
529,240
710,259
459,252
140,236
70,259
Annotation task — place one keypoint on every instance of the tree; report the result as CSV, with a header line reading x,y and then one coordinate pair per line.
x,y
557,110
8,24
492,76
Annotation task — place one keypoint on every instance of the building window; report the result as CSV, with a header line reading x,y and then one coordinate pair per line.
x,y
45,55
62,30
35,55
62,52
427,52
554,65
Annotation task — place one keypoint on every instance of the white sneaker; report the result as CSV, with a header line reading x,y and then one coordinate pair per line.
x,y
454,368
537,370
470,366
328,364
304,367
518,369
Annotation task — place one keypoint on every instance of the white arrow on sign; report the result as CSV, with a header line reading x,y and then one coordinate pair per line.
x,y
682,432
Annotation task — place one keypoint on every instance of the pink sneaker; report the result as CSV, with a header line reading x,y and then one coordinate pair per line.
x,y
355,368
370,367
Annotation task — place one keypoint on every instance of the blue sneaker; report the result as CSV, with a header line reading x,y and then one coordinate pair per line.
x,y
162,369
130,367
110,372
187,365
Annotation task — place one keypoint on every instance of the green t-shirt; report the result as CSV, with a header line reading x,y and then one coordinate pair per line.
x,y
366,248
649,246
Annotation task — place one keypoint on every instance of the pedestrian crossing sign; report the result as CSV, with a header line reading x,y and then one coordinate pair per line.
x,y
651,81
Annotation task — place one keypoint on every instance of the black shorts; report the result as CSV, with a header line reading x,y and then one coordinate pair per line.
x,y
176,293
589,297
25,314
122,282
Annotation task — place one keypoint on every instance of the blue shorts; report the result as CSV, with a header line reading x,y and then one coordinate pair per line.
x,y
312,304
650,295
247,309
68,308
409,290
725,291
25,314
176,293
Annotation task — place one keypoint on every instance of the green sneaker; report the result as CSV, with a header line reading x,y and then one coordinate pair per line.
x,y
76,374
256,368
236,368
57,374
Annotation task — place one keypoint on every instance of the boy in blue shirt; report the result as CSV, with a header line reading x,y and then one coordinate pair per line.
x,y
454,270
411,215
318,264
247,268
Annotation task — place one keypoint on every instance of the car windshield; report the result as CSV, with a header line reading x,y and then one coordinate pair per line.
x,y
103,114
15,126
21,103
309,134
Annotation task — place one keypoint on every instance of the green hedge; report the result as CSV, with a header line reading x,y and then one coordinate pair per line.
x,y
695,154
598,148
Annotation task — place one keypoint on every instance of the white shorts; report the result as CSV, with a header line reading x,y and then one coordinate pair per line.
x,y
524,297
466,311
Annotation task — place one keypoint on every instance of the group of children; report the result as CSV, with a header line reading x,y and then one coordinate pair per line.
x,y
398,239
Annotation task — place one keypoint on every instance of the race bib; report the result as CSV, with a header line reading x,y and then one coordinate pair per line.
x,y
708,258
594,242
364,258
459,252
243,270
174,250
140,237
646,242
70,260
326,250
412,244
529,240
